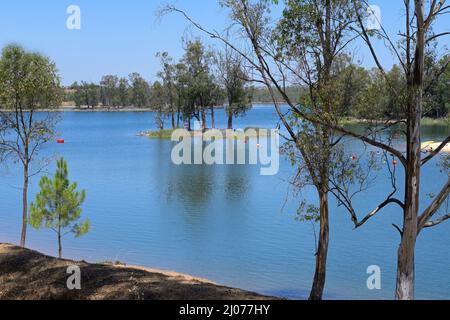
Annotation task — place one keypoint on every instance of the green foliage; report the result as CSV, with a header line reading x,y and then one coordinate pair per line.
x,y
308,212
58,204
123,92
199,79
164,134
238,95
109,90
262,95
112,92
437,97
187,88
159,103
86,94
139,91
28,80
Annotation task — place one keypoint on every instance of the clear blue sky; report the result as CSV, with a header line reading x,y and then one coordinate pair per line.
x,y
120,37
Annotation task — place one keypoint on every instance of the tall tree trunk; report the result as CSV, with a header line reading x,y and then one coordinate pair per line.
x,y
203,120
160,120
59,239
173,119
213,120
405,265
322,247
24,205
230,121
318,285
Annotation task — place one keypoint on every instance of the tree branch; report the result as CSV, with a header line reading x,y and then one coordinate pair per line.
x,y
264,69
436,222
376,210
435,152
434,206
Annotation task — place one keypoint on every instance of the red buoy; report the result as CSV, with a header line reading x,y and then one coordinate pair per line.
x,y
61,141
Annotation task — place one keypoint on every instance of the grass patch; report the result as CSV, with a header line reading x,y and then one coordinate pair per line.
x,y
160,134
436,122
236,134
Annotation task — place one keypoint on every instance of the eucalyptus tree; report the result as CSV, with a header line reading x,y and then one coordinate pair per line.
x,y
315,33
139,91
123,92
159,103
274,68
181,95
352,83
109,88
234,80
167,76
86,94
418,34
420,17
197,60
313,141
214,96
29,83
186,98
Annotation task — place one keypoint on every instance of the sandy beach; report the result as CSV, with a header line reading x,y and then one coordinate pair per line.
x,y
429,146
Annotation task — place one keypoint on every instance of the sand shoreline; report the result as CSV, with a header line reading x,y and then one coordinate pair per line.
x,y
29,275
430,146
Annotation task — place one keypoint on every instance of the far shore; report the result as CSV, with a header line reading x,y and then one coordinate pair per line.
x,y
29,275
72,108
237,134
425,121
97,109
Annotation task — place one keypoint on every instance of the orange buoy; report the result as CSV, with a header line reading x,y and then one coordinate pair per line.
x,y
394,162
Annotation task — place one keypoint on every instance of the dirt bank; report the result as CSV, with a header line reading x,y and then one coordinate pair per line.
x,y
27,274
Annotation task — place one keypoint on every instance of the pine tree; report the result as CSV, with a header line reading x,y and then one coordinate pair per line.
x,y
58,206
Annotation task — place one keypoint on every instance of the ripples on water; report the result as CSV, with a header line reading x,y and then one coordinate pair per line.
x,y
226,223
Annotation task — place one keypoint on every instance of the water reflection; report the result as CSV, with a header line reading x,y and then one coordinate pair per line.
x,y
197,184
237,183
219,222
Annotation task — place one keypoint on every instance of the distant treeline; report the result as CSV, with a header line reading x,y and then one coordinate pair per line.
x,y
193,96
262,95
361,90
135,91
188,89
113,92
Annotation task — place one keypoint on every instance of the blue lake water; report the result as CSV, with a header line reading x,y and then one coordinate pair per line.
x,y
225,223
